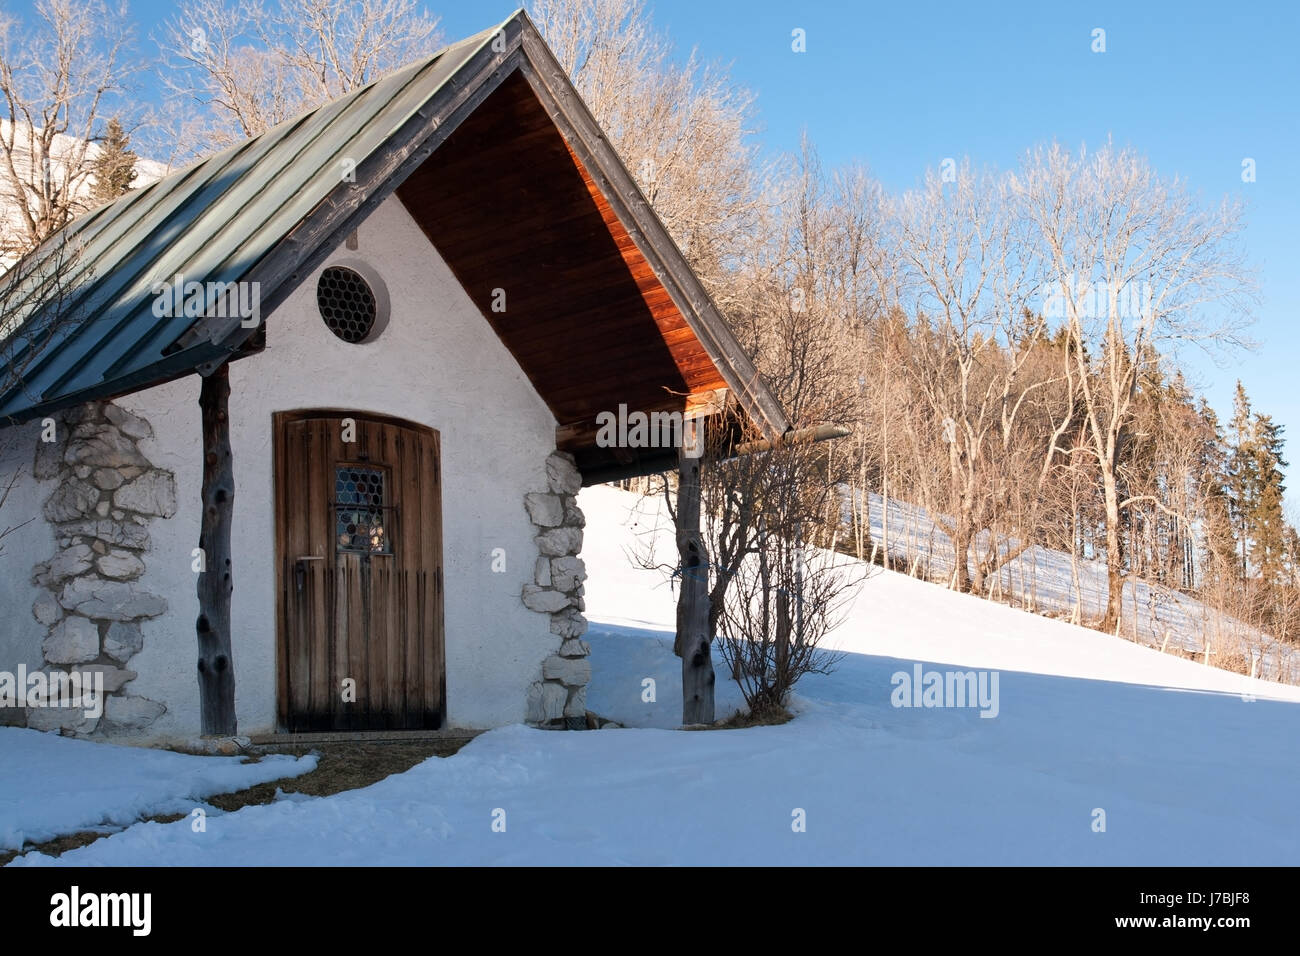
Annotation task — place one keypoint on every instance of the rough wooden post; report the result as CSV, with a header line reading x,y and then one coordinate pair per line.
x,y
693,635
216,669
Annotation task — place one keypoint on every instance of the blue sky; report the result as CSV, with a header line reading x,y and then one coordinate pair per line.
x,y
1195,86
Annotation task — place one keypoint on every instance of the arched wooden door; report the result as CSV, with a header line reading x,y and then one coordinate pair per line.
x,y
358,530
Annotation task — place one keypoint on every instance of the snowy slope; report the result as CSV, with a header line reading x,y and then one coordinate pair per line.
x,y
1189,764
894,615
56,785
1042,579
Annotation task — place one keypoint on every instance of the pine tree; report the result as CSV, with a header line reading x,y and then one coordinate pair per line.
x,y
1292,557
1266,520
114,167
1241,482
1219,526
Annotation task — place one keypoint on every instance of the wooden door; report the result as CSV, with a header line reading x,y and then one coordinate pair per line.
x,y
359,573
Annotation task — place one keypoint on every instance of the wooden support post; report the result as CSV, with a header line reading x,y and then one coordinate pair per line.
x,y
215,667
694,642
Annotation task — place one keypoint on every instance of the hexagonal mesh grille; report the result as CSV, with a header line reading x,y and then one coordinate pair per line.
x,y
346,303
359,513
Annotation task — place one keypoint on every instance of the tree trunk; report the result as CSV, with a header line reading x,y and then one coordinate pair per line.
x,y
781,657
1114,573
693,637
1075,545
216,669
961,555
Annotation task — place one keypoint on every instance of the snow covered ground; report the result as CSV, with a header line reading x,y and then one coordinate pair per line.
x,y
1185,764
1041,578
53,785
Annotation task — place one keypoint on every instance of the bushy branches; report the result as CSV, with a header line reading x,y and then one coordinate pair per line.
x,y
235,68
775,595
58,74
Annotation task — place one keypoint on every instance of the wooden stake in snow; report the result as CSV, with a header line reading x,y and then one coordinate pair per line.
x,y
693,599
216,669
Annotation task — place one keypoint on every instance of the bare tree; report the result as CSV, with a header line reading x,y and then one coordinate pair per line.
x,y
781,604
57,78
975,359
1136,267
682,127
248,65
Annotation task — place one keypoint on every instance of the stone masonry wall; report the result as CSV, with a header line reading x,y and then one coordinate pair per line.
x,y
559,698
107,495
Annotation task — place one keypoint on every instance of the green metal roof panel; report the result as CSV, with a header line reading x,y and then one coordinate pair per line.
x,y
271,208
211,222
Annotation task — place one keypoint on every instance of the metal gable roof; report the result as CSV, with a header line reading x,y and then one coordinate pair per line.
x,y
212,222
271,209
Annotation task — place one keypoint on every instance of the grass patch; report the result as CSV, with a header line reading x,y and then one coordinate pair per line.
x,y
740,720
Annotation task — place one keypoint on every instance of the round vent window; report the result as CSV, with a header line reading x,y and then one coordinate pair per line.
x,y
347,304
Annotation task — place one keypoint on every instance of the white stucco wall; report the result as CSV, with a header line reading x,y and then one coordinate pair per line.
x,y
29,541
438,363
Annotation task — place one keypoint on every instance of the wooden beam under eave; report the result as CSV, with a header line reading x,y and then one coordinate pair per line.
x,y
709,402
576,435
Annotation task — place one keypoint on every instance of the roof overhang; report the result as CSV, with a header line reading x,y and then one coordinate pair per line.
x,y
498,160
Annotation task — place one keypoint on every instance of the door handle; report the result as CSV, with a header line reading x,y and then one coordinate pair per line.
x,y
300,568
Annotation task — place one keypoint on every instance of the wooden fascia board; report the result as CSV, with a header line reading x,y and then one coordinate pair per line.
x,y
566,109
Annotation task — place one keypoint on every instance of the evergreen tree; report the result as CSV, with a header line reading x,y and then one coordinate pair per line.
x,y
114,168
1266,522
1241,483
1219,527
1292,557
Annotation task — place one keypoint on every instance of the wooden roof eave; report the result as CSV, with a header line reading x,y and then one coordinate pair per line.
x,y
515,46
552,87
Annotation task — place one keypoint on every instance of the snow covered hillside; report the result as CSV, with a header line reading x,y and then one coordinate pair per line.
x,y
1184,764
894,615
1042,579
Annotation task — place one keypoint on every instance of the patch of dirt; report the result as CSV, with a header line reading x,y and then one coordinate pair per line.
x,y
72,841
341,766
740,720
